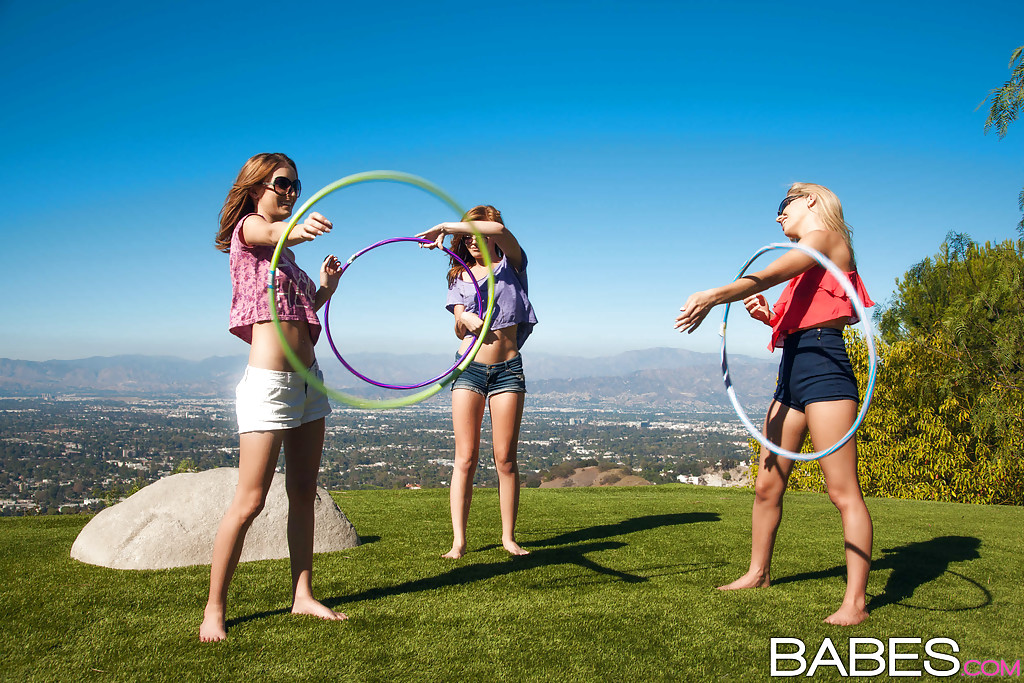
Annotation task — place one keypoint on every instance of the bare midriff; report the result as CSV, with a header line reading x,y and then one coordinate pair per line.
x,y
266,351
499,345
836,324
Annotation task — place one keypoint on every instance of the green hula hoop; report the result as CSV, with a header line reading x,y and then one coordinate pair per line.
x,y
313,380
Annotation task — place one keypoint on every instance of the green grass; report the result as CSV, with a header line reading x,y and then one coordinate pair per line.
x,y
619,587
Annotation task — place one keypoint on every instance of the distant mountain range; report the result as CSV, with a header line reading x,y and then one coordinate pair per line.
x,y
651,377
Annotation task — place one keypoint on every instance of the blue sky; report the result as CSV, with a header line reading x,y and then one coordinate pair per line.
x,y
637,150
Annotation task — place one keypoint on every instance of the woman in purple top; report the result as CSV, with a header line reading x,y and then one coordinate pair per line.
x,y
495,378
274,404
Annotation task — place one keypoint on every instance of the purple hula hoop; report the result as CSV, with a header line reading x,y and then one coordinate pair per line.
x,y
327,312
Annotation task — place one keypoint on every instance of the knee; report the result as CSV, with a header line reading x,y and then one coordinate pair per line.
x,y
466,459
300,489
506,464
246,508
846,500
769,491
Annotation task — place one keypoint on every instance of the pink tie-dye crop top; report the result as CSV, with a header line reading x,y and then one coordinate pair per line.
x,y
250,268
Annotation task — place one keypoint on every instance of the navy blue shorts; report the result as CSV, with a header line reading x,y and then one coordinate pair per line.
x,y
497,378
815,368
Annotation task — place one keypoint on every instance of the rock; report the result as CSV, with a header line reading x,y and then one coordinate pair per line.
x,y
172,522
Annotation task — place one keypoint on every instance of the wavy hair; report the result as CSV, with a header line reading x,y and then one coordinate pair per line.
x,y
828,209
239,202
484,212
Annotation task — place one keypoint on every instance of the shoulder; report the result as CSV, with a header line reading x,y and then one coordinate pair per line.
x,y
821,238
831,244
250,223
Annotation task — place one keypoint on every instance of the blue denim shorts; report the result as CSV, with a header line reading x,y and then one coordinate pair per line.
x,y
488,380
815,368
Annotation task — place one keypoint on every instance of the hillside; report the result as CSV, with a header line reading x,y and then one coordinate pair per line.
x,y
595,476
667,378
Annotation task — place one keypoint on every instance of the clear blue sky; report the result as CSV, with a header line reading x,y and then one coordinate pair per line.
x,y
638,151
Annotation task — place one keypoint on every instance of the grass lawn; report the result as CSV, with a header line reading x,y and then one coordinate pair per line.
x,y
619,586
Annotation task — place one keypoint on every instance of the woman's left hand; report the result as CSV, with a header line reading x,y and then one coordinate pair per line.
x,y
330,273
435,235
696,308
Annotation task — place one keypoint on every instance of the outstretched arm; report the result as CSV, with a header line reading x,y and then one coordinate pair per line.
x,y
256,230
503,237
784,268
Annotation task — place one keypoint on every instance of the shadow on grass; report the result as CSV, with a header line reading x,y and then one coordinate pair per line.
x,y
544,557
913,565
479,571
626,526
568,548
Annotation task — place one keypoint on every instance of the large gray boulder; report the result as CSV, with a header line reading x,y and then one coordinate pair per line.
x,y
172,522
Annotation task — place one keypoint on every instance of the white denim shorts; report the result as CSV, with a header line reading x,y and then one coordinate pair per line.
x,y
271,399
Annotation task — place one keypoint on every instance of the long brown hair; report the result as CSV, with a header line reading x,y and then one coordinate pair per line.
x,y
239,202
484,212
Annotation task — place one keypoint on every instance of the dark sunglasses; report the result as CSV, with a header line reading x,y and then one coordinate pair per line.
x,y
283,186
788,200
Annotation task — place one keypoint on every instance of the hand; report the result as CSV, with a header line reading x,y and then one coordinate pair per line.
x,y
696,308
757,307
330,273
435,235
313,226
472,323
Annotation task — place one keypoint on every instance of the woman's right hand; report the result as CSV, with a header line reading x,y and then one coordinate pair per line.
x,y
435,235
472,322
313,226
757,307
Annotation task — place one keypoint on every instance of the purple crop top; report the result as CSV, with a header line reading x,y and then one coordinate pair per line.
x,y
250,266
511,303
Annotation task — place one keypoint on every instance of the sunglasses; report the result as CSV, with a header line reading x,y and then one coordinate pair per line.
x,y
282,186
788,200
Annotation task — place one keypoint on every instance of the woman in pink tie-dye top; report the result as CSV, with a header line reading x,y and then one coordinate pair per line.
x,y
275,405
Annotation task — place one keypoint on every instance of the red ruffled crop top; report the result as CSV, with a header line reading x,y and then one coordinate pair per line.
x,y
812,297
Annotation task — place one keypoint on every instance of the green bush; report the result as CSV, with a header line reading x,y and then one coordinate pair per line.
x,y
947,417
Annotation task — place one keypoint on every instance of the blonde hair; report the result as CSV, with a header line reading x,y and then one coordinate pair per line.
x,y
484,212
827,208
239,202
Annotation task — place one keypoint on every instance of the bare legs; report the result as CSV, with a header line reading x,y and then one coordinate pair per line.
x,y
258,452
827,422
303,448
256,460
786,428
467,418
506,416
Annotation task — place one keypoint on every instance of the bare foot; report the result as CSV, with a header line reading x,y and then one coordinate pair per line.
x,y
748,580
513,548
456,552
212,629
847,615
315,609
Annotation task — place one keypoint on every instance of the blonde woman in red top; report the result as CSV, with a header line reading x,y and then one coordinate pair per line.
x,y
817,390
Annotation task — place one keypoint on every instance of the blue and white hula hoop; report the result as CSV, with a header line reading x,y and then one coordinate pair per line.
x,y
869,390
